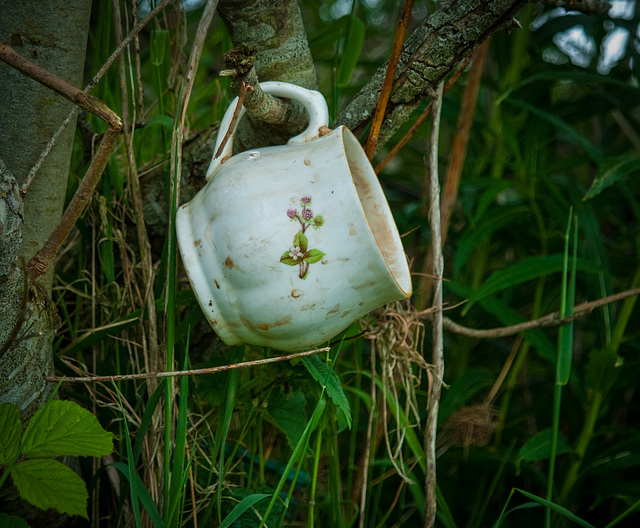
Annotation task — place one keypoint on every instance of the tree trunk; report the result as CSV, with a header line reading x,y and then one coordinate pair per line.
x,y
52,34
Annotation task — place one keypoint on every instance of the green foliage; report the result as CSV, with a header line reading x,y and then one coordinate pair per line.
x,y
60,428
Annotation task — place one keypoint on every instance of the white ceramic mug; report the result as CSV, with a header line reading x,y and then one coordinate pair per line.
x,y
286,246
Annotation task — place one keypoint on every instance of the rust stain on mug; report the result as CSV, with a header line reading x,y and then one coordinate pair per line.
x,y
216,283
197,243
228,263
295,293
281,322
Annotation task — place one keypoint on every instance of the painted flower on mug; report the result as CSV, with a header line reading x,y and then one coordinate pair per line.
x,y
299,253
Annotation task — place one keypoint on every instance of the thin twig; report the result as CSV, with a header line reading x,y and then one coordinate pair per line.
x,y
460,142
40,261
177,373
234,119
437,360
552,319
414,128
389,77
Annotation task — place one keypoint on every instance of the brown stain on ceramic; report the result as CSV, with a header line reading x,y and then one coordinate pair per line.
x,y
352,230
307,162
281,322
228,263
365,285
333,310
216,283
295,293
197,243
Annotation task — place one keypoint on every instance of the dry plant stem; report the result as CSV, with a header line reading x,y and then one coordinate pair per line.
x,y
437,360
177,373
425,113
552,319
458,153
236,113
366,456
40,262
389,77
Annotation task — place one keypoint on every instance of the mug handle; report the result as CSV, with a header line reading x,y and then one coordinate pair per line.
x,y
313,102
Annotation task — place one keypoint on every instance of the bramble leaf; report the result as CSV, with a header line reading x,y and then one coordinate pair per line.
x,y
64,428
10,429
48,484
301,241
329,379
288,259
313,256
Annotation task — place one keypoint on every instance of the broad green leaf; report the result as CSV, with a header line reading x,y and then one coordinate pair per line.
x,y
351,50
301,241
289,413
11,521
241,507
329,379
538,447
10,430
64,428
612,172
529,269
48,484
313,256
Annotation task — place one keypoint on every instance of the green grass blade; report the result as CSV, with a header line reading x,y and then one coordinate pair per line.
x,y
230,401
241,507
147,416
143,494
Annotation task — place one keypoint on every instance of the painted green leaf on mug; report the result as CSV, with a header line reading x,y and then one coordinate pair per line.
x,y
301,241
313,256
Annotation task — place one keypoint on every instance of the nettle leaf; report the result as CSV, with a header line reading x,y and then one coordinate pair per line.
x,y
301,241
10,429
288,259
11,521
289,413
313,256
329,379
48,484
64,428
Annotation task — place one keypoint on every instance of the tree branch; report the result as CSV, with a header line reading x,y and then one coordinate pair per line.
x,y
432,52
552,319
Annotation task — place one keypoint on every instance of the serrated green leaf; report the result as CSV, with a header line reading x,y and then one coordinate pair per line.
x,y
64,428
301,241
289,414
538,447
48,484
329,379
313,256
612,172
11,521
351,50
10,429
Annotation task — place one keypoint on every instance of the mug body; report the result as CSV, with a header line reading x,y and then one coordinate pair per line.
x,y
286,246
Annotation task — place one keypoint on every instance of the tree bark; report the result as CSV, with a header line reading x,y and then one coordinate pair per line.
x,y
52,34
431,53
